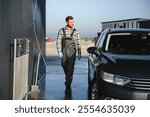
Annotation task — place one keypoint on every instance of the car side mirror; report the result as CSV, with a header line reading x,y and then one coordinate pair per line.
x,y
93,50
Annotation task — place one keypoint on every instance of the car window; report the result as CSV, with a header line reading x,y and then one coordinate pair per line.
x,y
101,41
128,42
97,44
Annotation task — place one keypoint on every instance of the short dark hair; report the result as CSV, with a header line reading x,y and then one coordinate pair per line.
x,y
69,18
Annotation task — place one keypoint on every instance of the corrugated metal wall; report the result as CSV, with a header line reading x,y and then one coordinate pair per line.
x,y
16,21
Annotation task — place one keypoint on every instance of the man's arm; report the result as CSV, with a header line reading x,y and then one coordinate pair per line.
x,y
78,45
59,40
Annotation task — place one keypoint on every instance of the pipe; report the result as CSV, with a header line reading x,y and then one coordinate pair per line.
x,y
35,33
37,68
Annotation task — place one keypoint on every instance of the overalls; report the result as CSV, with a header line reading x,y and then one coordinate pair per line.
x,y
69,56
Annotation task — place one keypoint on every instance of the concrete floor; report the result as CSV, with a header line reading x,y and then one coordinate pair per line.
x,y
53,88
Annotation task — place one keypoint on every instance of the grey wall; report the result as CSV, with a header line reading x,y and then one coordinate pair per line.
x,y
16,21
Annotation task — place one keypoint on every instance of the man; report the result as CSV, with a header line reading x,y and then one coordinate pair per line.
x,y
68,44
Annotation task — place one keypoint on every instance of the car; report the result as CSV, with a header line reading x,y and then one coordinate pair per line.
x,y
119,65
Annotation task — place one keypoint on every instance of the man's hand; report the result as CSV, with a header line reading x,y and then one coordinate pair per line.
x,y
60,55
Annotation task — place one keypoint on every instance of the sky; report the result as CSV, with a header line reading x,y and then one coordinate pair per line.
x,y
88,14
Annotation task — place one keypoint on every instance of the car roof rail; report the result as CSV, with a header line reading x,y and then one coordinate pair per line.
x,y
107,29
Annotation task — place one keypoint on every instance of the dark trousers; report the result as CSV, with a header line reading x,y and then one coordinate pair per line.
x,y
68,66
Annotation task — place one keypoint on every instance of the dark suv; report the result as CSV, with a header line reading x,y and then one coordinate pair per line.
x,y
119,65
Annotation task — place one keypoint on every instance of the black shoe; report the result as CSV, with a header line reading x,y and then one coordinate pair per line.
x,y
68,93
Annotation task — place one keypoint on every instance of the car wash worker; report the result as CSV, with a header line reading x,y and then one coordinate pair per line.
x,y
68,46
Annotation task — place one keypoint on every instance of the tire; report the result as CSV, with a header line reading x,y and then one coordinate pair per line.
x,y
92,86
94,93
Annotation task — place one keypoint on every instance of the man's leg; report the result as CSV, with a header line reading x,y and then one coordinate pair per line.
x,y
65,68
64,64
70,70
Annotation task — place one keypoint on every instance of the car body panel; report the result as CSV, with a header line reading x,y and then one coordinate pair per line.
x,y
133,65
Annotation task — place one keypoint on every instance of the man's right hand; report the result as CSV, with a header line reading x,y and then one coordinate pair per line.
x,y
60,55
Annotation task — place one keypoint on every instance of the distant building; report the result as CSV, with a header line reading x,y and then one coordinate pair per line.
x,y
127,23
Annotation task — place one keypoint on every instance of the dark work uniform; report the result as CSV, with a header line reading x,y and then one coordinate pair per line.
x,y
68,43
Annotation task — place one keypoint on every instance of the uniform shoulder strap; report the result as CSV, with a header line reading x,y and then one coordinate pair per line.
x,y
64,31
73,32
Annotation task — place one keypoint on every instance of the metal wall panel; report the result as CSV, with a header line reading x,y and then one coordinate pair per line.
x,y
16,21
20,68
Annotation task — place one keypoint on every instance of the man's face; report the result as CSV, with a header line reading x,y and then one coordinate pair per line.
x,y
70,23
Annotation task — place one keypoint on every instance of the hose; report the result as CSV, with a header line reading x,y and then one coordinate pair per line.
x,y
35,33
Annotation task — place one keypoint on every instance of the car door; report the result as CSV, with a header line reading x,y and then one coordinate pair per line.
x,y
93,59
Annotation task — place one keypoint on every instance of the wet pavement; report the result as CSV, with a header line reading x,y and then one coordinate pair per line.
x,y
53,88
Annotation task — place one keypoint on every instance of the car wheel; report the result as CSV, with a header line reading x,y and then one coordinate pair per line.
x,y
94,92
